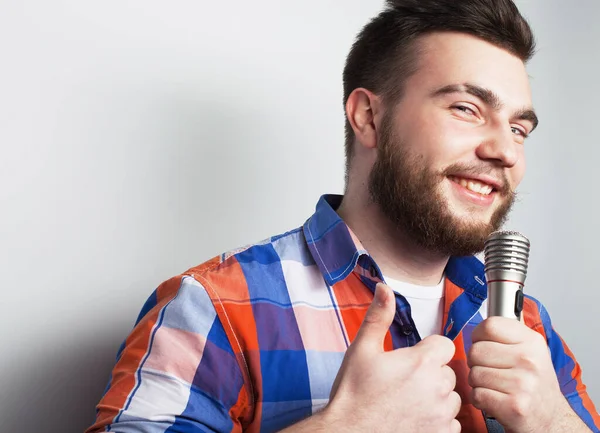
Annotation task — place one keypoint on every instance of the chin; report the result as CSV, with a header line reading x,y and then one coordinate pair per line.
x,y
471,214
470,218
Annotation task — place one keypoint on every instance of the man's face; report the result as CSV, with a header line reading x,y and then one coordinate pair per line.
x,y
450,154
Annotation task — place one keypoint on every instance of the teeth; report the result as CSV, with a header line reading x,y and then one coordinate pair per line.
x,y
473,185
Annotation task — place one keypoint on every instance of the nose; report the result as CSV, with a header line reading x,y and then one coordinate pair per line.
x,y
500,147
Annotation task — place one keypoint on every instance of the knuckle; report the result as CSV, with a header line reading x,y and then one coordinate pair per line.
x,y
452,379
475,354
455,426
480,377
449,408
527,361
447,344
492,325
430,343
473,378
522,383
436,347
372,317
478,397
424,360
457,403
519,383
436,340
520,405
444,386
448,412
487,325
471,359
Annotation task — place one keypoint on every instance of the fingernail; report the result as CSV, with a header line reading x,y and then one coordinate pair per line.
x,y
380,295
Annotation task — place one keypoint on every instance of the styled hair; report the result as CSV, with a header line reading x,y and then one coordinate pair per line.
x,y
385,54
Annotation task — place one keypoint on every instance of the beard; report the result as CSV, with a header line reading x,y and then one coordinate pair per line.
x,y
409,194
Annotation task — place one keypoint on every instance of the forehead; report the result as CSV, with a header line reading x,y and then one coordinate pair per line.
x,y
451,58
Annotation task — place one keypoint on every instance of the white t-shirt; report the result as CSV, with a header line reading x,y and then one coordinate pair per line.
x,y
426,304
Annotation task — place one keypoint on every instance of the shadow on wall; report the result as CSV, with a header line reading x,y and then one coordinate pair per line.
x,y
60,392
199,157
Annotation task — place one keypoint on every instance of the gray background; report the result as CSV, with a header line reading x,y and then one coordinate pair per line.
x,y
140,138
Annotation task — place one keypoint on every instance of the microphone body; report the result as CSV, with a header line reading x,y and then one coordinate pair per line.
x,y
506,256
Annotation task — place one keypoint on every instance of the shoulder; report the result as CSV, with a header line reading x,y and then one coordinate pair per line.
x,y
231,273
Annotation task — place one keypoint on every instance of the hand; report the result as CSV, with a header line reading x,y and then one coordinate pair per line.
x,y
410,389
513,378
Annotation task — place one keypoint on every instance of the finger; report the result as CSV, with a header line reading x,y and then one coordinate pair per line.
x,y
501,330
449,378
455,403
491,354
507,381
378,319
490,401
437,349
455,426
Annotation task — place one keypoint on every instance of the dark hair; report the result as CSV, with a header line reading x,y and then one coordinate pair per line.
x,y
384,54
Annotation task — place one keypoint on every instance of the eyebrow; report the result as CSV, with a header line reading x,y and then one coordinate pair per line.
x,y
489,98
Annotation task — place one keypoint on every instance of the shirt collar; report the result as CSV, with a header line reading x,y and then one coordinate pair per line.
x,y
334,247
336,250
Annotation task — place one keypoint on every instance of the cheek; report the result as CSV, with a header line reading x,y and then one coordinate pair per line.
x,y
518,171
442,140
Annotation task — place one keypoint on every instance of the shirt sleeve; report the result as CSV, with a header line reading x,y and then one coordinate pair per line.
x,y
176,371
568,372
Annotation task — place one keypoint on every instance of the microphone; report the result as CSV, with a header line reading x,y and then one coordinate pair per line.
x,y
506,255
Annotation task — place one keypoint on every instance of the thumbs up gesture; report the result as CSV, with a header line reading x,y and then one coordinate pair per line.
x,y
408,390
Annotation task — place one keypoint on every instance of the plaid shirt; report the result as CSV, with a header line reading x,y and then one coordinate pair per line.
x,y
252,340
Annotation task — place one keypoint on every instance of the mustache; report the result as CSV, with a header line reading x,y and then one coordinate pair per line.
x,y
475,170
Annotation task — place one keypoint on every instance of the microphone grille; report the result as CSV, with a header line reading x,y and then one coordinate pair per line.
x,y
506,250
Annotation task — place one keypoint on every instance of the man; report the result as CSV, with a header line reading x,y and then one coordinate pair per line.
x,y
298,333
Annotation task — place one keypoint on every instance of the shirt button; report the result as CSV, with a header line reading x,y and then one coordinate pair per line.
x,y
373,271
407,330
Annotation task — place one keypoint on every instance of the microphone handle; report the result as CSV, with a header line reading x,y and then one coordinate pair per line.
x,y
505,298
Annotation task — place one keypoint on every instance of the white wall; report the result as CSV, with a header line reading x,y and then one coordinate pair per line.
x,y
139,138
558,208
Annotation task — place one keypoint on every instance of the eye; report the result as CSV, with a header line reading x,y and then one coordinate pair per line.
x,y
519,131
464,110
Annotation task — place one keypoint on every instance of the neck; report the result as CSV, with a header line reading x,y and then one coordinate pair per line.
x,y
396,254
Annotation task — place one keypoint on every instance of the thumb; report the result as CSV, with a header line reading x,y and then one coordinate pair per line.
x,y
378,319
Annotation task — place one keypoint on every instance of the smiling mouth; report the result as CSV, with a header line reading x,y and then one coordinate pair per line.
x,y
473,185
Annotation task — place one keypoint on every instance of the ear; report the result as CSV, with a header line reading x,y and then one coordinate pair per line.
x,y
363,110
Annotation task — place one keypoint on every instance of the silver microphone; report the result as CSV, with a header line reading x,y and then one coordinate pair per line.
x,y
506,255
